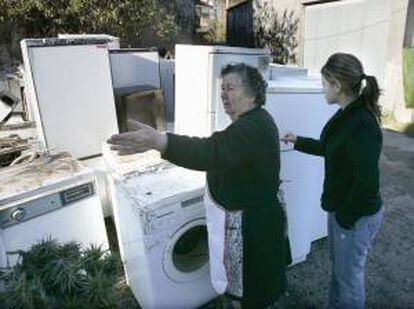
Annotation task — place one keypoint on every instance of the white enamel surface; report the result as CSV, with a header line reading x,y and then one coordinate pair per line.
x,y
299,107
71,89
198,107
81,221
135,68
149,219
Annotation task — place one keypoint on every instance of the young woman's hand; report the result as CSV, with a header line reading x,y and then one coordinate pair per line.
x,y
143,138
289,138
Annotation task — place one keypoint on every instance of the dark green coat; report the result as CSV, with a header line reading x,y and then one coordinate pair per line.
x,y
242,164
351,144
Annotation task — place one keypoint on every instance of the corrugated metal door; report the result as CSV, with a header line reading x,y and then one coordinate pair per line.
x,y
240,25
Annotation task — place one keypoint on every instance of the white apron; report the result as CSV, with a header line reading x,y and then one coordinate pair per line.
x,y
216,221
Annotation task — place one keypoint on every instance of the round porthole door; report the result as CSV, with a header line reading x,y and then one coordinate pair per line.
x,y
186,256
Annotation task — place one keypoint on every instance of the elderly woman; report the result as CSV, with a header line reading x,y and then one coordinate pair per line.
x,y
249,248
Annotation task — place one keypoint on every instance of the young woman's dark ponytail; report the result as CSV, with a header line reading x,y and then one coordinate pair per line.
x,y
371,93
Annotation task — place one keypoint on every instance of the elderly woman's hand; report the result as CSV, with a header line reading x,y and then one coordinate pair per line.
x,y
143,138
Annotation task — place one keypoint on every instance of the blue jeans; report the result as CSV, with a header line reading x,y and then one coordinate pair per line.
x,y
348,253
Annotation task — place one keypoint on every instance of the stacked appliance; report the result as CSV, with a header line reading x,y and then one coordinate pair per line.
x,y
297,105
161,228
138,94
112,44
279,70
132,67
69,89
296,102
70,83
198,108
52,197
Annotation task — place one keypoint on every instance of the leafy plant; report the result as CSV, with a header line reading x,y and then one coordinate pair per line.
x,y
54,275
275,32
409,130
136,22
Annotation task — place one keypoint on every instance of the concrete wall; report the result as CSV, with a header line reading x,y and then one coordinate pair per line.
x,y
359,27
371,29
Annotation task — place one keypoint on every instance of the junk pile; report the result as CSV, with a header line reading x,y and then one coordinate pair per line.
x,y
38,172
13,148
7,103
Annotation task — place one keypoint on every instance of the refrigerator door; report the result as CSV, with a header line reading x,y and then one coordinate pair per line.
x,y
191,104
73,97
219,120
302,110
198,109
134,67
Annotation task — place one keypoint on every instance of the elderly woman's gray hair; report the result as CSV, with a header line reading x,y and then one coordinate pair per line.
x,y
253,82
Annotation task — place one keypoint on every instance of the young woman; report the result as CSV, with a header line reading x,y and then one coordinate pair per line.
x,y
351,144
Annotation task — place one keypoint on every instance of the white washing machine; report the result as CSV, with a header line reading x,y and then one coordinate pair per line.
x,y
162,235
51,198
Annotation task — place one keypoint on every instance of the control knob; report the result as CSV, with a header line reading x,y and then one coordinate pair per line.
x,y
18,214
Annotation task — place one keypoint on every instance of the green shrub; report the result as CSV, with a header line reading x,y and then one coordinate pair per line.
x,y
409,130
138,23
54,275
275,32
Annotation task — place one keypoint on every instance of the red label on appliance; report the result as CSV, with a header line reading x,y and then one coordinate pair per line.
x,y
101,46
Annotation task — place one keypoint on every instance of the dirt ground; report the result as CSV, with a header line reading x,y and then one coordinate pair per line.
x,y
390,265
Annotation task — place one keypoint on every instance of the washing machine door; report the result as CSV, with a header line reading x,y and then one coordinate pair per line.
x,y
186,255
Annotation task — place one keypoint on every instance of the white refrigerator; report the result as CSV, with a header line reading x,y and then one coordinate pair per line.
x,y
297,105
69,90
198,107
131,67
